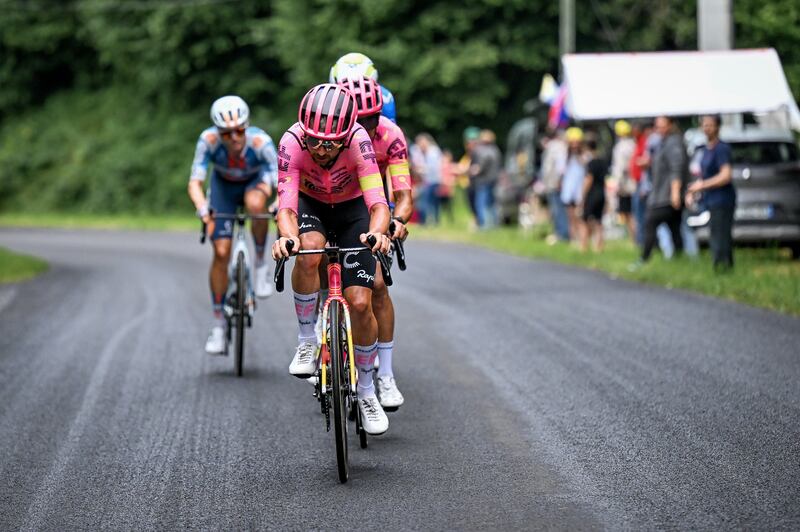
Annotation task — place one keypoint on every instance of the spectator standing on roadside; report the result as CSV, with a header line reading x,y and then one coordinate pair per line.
x,y
594,198
652,144
471,135
621,172
718,193
428,164
554,161
668,176
448,186
572,183
484,172
639,163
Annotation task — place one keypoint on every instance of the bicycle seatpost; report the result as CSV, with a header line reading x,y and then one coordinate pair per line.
x,y
280,266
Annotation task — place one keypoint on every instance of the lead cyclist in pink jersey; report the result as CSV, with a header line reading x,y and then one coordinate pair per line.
x,y
392,154
329,183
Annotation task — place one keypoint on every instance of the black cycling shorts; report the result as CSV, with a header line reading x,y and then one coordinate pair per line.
x,y
342,224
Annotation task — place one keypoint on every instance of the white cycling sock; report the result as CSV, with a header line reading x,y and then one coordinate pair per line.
x,y
304,305
385,357
365,358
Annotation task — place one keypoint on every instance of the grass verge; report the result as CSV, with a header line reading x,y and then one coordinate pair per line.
x,y
133,222
15,267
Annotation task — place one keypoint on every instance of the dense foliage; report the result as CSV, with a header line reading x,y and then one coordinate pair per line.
x,y
101,101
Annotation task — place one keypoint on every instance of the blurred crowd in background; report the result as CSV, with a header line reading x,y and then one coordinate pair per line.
x,y
634,182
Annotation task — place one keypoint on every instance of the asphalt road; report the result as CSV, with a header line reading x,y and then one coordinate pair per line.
x,y
538,396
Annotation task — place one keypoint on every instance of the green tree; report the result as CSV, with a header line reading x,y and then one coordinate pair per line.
x,y
42,50
774,24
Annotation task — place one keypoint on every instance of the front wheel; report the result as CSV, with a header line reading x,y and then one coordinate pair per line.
x,y
241,295
340,388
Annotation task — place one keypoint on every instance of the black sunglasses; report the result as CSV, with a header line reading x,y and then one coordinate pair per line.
x,y
227,133
327,145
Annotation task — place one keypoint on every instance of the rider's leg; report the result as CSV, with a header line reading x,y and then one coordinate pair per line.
x,y
218,277
365,338
383,308
305,284
388,393
255,202
365,333
218,283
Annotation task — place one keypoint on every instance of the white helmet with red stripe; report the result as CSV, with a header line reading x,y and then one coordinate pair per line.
x,y
229,112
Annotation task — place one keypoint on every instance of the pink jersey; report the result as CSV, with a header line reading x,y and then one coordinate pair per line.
x,y
392,153
354,173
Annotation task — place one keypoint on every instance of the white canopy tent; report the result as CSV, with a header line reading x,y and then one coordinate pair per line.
x,y
636,85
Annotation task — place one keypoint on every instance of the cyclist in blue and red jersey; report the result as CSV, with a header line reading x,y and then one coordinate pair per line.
x,y
243,168
354,65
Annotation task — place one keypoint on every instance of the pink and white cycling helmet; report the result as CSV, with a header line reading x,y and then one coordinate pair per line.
x,y
328,112
367,93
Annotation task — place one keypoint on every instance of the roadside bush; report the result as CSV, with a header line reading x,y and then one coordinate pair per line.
x,y
100,152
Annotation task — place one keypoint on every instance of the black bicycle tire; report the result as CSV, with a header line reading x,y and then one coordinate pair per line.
x,y
339,389
241,285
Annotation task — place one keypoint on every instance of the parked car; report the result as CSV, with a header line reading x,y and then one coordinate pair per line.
x,y
766,175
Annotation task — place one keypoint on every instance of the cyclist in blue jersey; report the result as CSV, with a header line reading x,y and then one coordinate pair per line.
x,y
242,164
354,65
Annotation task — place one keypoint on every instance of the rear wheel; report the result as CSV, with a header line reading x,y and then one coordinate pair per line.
x,y
340,389
241,291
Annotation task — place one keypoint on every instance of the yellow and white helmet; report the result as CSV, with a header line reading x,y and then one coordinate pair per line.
x,y
353,65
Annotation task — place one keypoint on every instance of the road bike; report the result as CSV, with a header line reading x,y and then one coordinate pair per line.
x,y
336,373
240,300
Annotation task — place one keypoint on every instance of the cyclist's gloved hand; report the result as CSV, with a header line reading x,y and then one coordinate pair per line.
x,y
204,213
382,242
400,230
279,247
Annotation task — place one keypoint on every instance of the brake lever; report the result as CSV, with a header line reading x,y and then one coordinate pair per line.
x,y
280,266
387,275
399,250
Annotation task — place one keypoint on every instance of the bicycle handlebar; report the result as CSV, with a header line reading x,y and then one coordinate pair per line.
x,y
280,264
240,217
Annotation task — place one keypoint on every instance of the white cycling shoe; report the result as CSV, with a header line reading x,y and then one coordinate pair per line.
x,y
262,281
390,397
304,363
215,345
372,415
